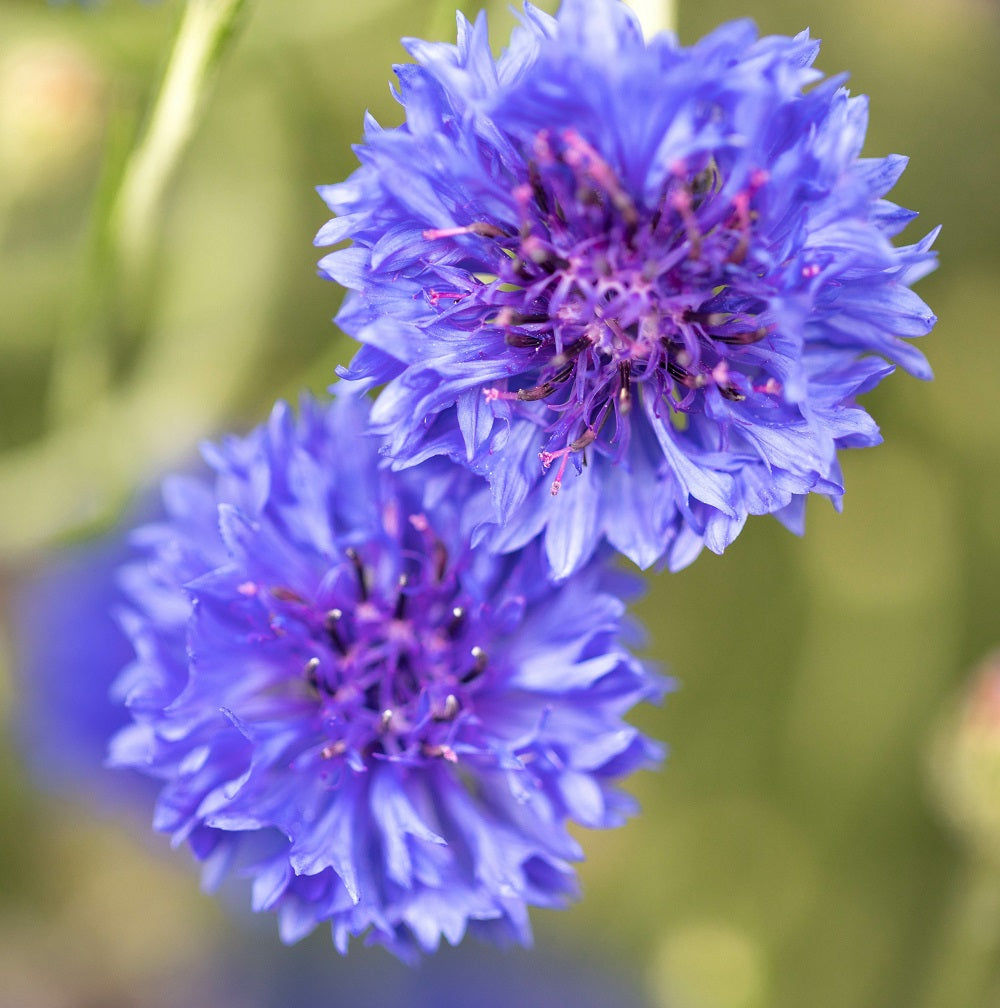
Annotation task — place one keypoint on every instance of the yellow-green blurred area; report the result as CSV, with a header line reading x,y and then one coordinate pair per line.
x,y
797,849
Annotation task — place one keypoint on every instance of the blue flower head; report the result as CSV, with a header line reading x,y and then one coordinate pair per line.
x,y
384,728
638,286
68,650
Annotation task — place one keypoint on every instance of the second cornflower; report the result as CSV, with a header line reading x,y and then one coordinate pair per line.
x,y
636,286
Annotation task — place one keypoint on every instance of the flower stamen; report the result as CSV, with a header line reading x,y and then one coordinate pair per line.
x,y
588,437
359,570
333,618
480,660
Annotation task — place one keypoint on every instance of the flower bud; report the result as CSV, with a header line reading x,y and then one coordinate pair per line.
x,y
51,111
965,762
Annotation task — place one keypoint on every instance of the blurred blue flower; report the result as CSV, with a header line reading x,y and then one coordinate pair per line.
x,y
466,977
382,727
68,650
638,286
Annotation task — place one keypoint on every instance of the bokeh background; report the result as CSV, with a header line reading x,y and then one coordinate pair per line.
x,y
824,833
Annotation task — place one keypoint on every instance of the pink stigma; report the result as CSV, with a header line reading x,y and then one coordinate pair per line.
x,y
435,297
770,387
547,458
495,394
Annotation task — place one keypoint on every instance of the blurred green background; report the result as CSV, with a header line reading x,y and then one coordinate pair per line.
x,y
795,851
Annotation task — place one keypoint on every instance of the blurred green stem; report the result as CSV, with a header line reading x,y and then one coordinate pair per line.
x,y
963,967
136,214
131,223
104,436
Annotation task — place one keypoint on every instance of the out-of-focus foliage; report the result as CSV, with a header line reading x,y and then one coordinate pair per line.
x,y
791,852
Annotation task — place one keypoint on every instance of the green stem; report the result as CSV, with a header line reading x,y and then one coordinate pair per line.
x,y
131,222
963,967
104,437
201,41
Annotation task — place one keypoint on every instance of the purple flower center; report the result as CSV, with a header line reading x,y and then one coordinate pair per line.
x,y
390,659
594,291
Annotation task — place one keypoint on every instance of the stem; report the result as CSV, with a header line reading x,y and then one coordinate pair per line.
x,y
106,436
207,26
131,222
655,15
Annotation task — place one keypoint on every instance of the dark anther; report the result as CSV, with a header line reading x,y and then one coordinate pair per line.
x,y
440,560
741,338
625,386
588,437
457,622
359,570
704,182
311,668
709,319
563,373
450,709
522,341
678,372
333,618
516,318
485,230
537,392
542,256
589,196
480,659
400,610
574,349
520,269
287,595
535,179
732,393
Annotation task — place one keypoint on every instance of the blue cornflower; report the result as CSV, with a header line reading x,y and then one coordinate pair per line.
x,y
386,729
68,649
665,270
